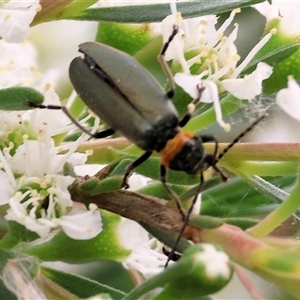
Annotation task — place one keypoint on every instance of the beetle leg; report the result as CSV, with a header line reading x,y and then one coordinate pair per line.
x,y
132,166
164,64
186,220
103,133
206,138
166,251
163,172
212,158
191,107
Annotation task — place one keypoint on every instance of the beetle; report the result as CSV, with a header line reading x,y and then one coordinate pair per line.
x,y
129,99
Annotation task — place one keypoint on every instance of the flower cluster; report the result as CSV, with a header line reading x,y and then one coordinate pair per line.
x,y
31,175
32,179
15,18
214,60
33,184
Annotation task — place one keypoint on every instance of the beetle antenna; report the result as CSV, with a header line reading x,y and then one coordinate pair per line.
x,y
185,221
241,135
189,212
66,112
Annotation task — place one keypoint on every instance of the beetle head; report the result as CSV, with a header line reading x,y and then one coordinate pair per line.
x,y
192,158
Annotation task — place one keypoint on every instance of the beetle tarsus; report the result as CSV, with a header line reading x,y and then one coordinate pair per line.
x,y
188,115
124,184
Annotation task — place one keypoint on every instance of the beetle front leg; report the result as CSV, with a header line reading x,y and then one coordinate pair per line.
x,y
192,106
164,64
132,166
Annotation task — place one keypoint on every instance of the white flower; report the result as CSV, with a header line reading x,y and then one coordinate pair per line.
x,y
18,65
176,50
216,262
287,12
31,184
145,256
37,158
8,183
137,181
50,122
6,189
191,84
81,225
50,207
249,86
35,209
216,60
15,18
288,99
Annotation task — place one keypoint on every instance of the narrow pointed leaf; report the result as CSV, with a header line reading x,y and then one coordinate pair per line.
x,y
157,12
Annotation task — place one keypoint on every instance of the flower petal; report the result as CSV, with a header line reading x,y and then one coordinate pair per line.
x,y
289,99
81,225
15,18
6,190
249,86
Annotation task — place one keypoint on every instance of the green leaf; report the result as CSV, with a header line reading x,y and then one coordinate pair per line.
x,y
271,191
157,12
16,98
124,37
80,286
157,189
272,57
54,10
236,198
167,239
243,223
229,104
205,222
104,246
280,266
94,186
283,66
17,233
286,209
